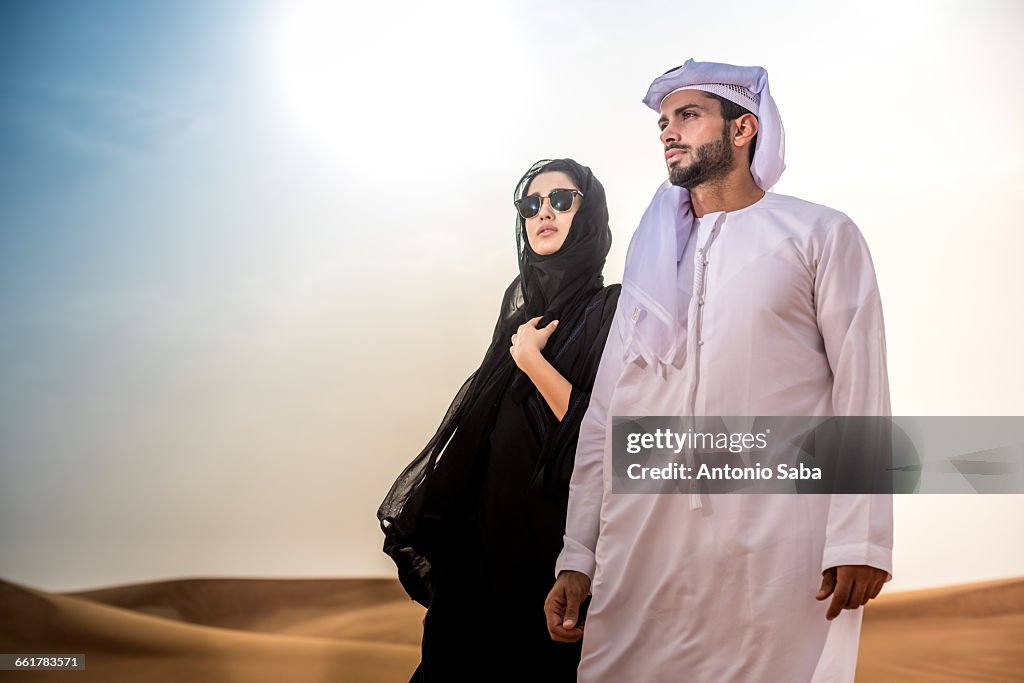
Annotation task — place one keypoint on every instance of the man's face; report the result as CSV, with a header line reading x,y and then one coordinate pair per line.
x,y
695,138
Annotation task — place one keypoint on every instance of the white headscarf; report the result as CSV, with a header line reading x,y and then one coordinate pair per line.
x,y
657,246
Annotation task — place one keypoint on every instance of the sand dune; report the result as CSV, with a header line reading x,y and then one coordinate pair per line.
x,y
359,609
124,645
958,634
355,630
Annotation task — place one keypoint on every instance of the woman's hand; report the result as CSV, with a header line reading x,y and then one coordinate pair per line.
x,y
526,347
529,341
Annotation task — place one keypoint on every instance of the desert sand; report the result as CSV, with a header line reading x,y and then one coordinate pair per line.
x,y
356,630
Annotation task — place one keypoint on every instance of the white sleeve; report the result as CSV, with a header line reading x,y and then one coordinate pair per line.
x,y
849,311
586,488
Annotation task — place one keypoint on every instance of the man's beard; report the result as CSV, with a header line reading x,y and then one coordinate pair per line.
x,y
711,161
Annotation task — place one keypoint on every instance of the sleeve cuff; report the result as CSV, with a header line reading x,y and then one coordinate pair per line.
x,y
575,557
871,554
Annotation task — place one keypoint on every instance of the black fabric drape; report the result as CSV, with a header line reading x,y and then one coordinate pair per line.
x,y
430,509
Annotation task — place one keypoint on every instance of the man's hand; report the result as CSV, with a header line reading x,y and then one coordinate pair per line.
x,y
562,606
850,586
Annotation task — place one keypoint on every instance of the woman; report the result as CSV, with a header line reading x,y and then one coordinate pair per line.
x,y
475,522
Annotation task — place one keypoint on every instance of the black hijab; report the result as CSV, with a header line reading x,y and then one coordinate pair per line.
x,y
425,509
555,283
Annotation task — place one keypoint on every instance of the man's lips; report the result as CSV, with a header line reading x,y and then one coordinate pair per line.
x,y
670,154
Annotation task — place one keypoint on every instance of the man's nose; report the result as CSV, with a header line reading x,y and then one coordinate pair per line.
x,y
668,136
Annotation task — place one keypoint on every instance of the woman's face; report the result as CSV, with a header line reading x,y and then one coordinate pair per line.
x,y
547,230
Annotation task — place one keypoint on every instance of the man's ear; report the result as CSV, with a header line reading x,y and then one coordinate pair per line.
x,y
746,127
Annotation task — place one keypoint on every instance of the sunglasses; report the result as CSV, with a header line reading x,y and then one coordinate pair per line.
x,y
560,200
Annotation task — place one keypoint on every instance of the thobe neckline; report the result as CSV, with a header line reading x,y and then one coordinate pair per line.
x,y
710,219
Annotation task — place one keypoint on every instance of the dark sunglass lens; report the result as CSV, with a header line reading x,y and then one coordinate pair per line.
x,y
528,206
561,200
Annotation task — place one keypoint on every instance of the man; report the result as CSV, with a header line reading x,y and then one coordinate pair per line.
x,y
735,301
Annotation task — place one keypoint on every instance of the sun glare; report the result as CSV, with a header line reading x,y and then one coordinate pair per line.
x,y
356,77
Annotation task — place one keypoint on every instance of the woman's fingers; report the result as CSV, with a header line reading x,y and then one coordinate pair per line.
x,y
530,337
532,324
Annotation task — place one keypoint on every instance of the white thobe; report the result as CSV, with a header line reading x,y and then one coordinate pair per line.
x,y
783,317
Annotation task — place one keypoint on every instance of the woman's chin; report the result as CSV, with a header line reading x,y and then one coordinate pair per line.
x,y
546,248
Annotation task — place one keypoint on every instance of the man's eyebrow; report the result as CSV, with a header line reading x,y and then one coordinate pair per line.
x,y
685,107
679,111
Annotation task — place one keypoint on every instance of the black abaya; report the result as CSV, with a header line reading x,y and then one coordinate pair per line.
x,y
486,617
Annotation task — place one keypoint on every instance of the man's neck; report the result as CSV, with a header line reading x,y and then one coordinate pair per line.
x,y
733,192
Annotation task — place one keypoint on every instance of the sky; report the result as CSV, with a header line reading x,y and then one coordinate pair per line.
x,y
250,250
